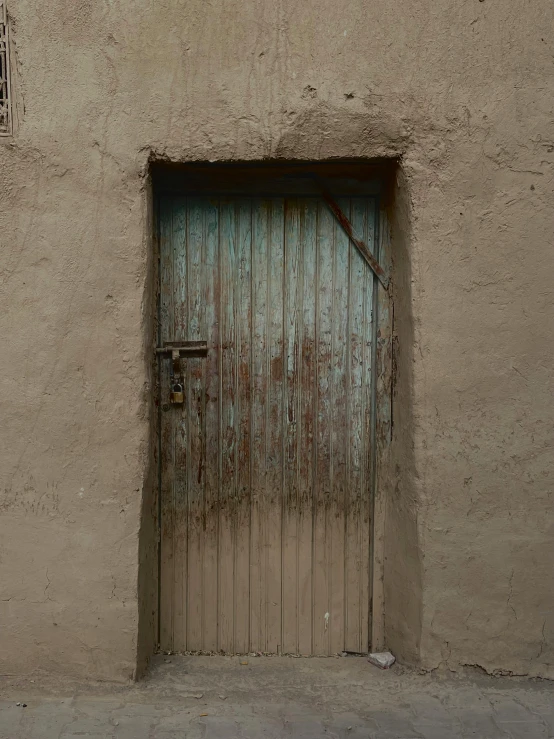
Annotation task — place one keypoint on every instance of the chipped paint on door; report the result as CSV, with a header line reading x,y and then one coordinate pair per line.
x,y
265,469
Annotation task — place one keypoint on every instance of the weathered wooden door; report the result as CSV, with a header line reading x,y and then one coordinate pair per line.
x,y
266,467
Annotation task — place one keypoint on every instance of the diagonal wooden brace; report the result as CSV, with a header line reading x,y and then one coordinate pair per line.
x,y
360,245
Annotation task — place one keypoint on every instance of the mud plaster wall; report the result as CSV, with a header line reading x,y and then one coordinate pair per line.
x,y
462,92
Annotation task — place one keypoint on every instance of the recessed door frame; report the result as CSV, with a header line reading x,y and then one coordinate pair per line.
x,y
244,179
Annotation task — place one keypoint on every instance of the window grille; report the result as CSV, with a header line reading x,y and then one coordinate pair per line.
x,y
5,110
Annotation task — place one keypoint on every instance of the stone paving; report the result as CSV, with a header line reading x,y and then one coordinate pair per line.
x,y
221,698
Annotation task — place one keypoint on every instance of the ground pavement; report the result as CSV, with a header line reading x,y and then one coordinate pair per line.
x,y
274,697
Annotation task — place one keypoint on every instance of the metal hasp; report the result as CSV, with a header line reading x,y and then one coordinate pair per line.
x,y
360,245
177,350
184,348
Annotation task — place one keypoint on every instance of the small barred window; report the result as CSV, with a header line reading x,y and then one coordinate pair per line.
x,y
5,110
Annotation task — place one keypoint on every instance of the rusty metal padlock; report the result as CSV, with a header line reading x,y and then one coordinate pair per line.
x,y
177,395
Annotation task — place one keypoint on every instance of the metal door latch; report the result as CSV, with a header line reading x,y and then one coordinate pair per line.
x,y
177,350
184,348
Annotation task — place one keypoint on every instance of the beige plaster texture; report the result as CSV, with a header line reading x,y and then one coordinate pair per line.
x,y
462,95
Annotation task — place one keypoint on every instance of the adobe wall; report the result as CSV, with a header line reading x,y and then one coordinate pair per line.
x,y
462,93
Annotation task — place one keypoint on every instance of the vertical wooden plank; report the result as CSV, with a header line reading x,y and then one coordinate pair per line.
x,y
195,331
228,386
306,420
258,549
356,567
367,391
340,405
274,420
243,455
322,493
167,442
210,516
291,299
179,416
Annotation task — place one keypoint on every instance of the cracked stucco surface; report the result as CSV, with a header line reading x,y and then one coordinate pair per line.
x,y
463,92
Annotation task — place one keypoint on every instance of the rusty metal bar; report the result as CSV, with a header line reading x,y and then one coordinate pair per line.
x,y
183,349
360,244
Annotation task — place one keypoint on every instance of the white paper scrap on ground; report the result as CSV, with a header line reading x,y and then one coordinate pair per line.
x,y
384,660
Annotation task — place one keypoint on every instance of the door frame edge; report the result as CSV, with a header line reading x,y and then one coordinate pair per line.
x,y
382,430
